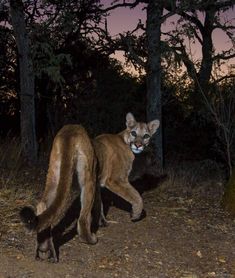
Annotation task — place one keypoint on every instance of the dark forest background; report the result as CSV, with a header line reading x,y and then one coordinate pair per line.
x,y
55,68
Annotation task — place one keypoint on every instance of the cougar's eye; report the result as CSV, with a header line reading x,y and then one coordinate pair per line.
x,y
146,136
133,133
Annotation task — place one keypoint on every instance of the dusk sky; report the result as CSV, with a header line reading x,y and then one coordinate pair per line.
x,y
124,19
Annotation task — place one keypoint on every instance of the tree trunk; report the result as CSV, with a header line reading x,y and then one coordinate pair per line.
x,y
154,105
207,52
27,103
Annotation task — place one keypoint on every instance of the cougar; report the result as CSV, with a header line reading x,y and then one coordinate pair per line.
x,y
115,153
72,151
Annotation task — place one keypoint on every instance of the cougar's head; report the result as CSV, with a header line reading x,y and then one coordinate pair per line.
x,y
138,134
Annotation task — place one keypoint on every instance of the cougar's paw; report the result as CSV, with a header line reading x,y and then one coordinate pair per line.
x,y
42,255
89,239
138,217
47,256
53,259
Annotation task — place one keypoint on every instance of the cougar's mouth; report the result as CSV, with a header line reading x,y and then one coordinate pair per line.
x,y
136,149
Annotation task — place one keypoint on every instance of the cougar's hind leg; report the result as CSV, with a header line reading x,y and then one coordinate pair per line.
x,y
42,243
87,181
126,191
53,254
45,247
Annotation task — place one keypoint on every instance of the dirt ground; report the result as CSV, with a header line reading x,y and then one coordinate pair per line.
x,y
184,235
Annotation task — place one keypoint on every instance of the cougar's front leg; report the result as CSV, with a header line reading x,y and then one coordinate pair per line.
x,y
125,190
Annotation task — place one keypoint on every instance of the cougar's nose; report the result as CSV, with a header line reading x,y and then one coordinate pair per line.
x,y
138,144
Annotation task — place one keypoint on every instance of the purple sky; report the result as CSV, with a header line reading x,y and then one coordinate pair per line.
x,y
124,19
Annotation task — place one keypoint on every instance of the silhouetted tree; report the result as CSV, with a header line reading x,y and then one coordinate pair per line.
x,y
27,103
154,94
198,22
149,47
153,53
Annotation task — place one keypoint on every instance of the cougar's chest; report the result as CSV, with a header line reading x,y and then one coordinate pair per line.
x,y
125,159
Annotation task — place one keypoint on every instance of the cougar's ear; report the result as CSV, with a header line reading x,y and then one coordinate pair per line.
x,y
153,126
130,120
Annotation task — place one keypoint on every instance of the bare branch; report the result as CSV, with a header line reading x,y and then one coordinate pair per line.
x,y
223,78
140,26
179,50
224,56
197,36
119,5
224,4
193,19
164,17
224,27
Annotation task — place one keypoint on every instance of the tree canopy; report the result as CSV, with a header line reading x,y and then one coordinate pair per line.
x,y
76,80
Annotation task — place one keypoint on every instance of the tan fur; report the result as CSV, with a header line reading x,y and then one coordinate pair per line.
x,y
71,151
115,156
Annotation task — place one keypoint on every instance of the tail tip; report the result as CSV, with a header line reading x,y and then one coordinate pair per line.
x,y
29,218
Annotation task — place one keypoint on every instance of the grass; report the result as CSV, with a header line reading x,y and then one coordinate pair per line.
x,y
10,150
11,200
19,186
201,179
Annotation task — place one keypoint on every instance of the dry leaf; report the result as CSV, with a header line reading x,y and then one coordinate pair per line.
x,y
199,254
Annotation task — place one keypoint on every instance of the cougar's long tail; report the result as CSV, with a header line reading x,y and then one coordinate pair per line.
x,y
54,213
